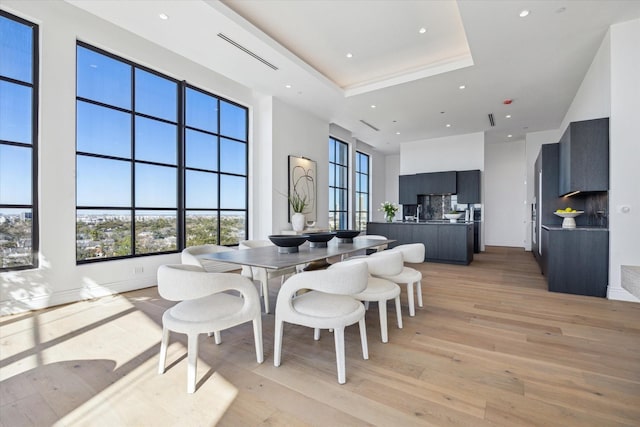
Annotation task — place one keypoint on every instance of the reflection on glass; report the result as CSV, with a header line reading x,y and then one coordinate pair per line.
x,y
101,130
103,182
102,234
15,243
156,231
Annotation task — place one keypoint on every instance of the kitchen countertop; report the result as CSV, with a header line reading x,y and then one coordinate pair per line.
x,y
578,228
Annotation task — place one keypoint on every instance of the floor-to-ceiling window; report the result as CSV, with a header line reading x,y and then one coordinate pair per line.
x,y
18,143
362,191
338,184
160,165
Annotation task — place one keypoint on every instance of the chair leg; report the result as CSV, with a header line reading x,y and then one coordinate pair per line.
x,y
363,338
412,307
216,337
192,361
398,312
277,342
316,334
419,291
257,337
163,350
338,335
382,309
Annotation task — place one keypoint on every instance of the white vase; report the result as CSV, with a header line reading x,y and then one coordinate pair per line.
x,y
297,221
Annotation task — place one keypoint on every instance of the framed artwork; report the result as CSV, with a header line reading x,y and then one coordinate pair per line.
x,y
302,182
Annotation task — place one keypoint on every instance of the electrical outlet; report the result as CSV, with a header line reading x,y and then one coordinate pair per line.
x,y
138,269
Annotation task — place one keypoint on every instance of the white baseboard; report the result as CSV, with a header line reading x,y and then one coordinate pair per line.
x,y
620,294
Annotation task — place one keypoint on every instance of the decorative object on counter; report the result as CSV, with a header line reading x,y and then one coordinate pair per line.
x,y
389,210
569,217
319,240
302,187
287,244
453,216
346,236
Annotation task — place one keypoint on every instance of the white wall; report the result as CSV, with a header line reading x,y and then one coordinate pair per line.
x,y
504,197
624,152
459,152
391,190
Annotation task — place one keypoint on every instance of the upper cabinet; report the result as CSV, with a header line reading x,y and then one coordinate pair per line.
x,y
408,190
437,183
584,157
468,186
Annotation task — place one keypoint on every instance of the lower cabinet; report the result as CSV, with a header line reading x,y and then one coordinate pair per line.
x,y
443,242
576,261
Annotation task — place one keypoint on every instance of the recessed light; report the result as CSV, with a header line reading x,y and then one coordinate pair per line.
x,y
422,30
163,16
524,13
508,116
397,133
509,136
448,125
373,106
287,86
461,87
349,55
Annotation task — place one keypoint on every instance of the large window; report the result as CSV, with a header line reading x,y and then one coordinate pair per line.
x,y
362,191
18,143
338,184
160,165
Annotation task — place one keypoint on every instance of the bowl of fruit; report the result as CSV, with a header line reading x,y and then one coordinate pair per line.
x,y
569,215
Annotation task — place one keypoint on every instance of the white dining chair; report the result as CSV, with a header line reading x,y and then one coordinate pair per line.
x,y
411,253
204,306
329,304
380,290
260,274
189,255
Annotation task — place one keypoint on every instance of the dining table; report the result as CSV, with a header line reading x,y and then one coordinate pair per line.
x,y
269,257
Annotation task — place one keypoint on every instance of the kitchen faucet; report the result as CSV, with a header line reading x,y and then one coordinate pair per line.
x,y
418,210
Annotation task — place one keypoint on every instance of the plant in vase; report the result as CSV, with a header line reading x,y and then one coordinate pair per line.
x,y
298,204
389,210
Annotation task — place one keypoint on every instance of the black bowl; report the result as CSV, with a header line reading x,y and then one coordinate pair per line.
x,y
319,240
287,244
346,236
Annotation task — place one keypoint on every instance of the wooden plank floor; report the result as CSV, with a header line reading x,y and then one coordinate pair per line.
x,y
490,347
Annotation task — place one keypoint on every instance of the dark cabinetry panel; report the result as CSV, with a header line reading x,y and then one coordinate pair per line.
x,y
576,261
407,190
447,243
584,157
468,186
437,183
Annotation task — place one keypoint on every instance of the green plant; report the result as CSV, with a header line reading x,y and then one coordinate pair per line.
x,y
298,203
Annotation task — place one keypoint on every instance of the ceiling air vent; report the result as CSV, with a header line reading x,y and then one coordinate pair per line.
x,y
371,126
491,121
247,51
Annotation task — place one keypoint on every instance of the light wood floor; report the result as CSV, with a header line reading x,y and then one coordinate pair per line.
x,y
490,347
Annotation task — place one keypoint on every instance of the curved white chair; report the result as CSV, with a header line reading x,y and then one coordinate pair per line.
x,y
260,274
411,253
190,254
204,306
373,237
380,290
328,305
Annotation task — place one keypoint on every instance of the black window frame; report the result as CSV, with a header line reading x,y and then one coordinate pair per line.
x,y
34,85
336,214
181,169
362,225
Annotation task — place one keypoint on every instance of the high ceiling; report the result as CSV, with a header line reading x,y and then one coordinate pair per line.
x,y
412,78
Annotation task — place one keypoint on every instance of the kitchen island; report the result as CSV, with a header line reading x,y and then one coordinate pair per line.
x,y
444,241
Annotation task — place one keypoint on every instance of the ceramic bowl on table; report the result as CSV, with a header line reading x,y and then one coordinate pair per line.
x,y
319,240
569,218
346,236
287,244
453,217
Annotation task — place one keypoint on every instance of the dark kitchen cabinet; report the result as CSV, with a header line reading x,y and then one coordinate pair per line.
x,y
584,157
468,186
407,191
437,183
576,261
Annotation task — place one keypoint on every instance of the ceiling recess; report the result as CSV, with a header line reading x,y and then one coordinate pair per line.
x,y
491,120
247,51
371,126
